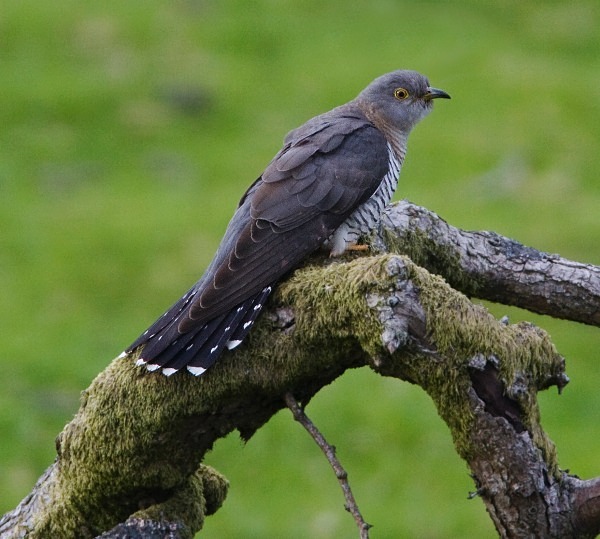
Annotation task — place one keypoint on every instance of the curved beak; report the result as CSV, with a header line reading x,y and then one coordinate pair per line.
x,y
435,93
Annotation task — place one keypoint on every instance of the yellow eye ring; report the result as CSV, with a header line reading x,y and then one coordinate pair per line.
x,y
401,93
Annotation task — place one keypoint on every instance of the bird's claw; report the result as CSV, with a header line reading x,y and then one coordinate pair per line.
x,y
357,247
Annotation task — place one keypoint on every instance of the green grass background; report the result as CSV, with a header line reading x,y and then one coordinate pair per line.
x,y
129,130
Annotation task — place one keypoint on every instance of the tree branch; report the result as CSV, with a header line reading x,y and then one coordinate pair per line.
x,y
131,455
330,453
489,266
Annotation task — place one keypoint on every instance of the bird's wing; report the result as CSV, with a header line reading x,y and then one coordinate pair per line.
x,y
325,170
312,185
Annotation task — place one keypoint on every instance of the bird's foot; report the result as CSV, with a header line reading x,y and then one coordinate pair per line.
x,y
357,247
360,247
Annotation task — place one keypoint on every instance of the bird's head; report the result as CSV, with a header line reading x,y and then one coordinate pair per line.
x,y
397,101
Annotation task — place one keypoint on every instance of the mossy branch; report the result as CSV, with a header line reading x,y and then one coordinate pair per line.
x,y
130,459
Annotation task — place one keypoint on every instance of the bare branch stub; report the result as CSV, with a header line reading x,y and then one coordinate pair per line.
x,y
330,453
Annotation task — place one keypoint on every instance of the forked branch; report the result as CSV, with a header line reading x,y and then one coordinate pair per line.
x,y
132,453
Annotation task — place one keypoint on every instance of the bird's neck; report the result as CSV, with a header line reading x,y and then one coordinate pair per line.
x,y
397,142
395,137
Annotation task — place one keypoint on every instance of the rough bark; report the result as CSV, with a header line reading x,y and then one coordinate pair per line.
x,y
489,266
129,462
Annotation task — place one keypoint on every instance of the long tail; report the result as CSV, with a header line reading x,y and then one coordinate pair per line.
x,y
164,347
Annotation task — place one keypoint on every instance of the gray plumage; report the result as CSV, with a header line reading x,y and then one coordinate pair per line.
x,y
329,183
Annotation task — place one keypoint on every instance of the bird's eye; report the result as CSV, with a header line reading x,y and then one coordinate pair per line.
x,y
401,93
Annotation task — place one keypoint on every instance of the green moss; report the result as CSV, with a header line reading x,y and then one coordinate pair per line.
x,y
333,299
201,495
425,251
125,445
527,359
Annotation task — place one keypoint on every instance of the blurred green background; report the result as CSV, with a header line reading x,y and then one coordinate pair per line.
x,y
128,132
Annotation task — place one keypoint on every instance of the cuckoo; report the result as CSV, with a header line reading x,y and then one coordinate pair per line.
x,y
326,186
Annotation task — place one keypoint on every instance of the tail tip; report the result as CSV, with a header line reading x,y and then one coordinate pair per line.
x,y
196,371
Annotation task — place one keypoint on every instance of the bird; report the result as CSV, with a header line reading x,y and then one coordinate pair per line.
x,y
326,187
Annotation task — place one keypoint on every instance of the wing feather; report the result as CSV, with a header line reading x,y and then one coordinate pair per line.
x,y
326,169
